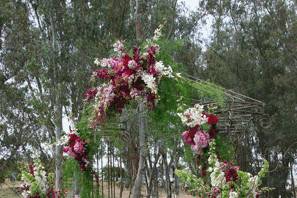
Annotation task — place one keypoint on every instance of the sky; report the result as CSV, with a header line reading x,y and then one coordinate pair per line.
x,y
191,4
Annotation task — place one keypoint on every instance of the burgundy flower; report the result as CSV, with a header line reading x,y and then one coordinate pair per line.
x,y
188,136
230,172
212,119
90,94
102,73
151,55
151,99
152,70
31,169
125,59
212,132
136,54
127,73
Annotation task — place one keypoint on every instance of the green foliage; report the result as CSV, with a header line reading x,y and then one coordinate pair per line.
x,y
193,183
224,148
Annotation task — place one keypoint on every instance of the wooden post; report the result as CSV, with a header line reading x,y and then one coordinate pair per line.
x,y
136,192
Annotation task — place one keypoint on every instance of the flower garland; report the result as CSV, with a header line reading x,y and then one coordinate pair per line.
x,y
127,77
196,118
77,148
35,182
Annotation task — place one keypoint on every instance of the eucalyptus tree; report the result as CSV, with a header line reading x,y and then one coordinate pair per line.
x,y
251,51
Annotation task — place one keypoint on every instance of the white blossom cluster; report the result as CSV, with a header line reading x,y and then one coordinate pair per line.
x,y
150,81
217,176
193,116
118,47
163,70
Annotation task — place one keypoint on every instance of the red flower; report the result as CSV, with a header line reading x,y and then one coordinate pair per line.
x,y
212,119
90,94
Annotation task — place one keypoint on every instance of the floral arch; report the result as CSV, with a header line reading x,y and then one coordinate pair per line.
x,y
141,90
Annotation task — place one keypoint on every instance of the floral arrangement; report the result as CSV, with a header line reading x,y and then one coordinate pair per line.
x,y
226,180
76,148
36,182
196,119
127,77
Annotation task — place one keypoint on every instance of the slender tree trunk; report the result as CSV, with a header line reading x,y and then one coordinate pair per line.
x,y
136,191
58,131
292,179
57,100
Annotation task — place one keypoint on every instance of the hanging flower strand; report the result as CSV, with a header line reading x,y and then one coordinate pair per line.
x,y
76,148
127,77
194,136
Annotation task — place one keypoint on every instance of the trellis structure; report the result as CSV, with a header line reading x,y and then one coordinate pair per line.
x,y
239,111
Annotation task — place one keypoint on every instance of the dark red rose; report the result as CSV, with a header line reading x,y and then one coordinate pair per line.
x,y
212,119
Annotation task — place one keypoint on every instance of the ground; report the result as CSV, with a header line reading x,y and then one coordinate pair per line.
x,y
7,192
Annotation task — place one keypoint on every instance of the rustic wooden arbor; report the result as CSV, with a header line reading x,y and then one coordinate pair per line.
x,y
235,118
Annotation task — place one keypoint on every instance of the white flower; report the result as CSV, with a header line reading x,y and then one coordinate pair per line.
x,y
167,71
149,80
104,62
118,46
159,66
178,75
132,64
217,178
233,194
97,62
157,33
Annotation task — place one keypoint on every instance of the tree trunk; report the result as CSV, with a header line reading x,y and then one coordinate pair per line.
x,y
58,155
136,191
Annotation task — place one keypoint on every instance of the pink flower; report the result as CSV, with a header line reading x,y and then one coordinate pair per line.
x,y
78,147
69,151
201,139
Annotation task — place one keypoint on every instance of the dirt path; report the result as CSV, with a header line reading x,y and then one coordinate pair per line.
x,y
7,192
